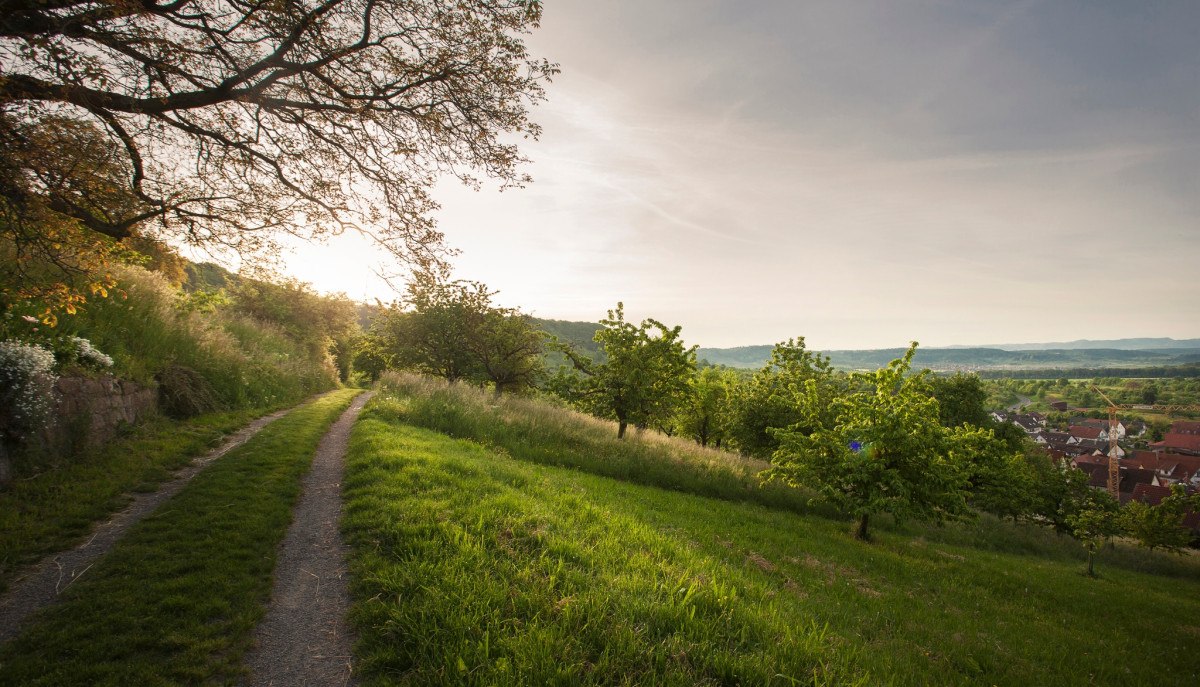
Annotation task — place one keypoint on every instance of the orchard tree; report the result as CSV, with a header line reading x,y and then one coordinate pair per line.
x,y
883,450
644,374
225,124
1094,517
999,480
508,349
1161,525
429,330
704,413
768,400
451,329
961,399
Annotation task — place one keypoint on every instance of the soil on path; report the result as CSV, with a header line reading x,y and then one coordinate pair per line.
x,y
44,581
304,638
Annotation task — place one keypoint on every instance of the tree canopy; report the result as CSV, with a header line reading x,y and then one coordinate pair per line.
x,y
644,375
225,123
451,329
768,399
878,449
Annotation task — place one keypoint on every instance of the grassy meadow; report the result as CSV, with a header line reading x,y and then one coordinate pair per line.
x,y
485,561
535,431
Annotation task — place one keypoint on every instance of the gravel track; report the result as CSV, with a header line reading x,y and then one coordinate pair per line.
x,y
304,638
41,585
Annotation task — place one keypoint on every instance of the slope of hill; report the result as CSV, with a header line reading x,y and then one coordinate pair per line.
x,y
478,563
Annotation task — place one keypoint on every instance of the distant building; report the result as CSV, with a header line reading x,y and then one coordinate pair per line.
x,y
1179,442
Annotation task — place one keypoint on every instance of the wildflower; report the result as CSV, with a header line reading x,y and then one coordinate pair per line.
x,y
26,383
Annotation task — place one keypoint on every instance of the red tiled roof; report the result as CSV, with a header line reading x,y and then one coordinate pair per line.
x,y
1186,442
1175,465
1085,432
1150,494
1185,427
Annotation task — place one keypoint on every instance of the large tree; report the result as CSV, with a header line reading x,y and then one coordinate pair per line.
x,y
878,449
644,374
767,400
223,123
451,329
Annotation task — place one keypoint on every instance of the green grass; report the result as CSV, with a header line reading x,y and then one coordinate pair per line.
x,y
248,362
471,567
55,509
535,431
177,599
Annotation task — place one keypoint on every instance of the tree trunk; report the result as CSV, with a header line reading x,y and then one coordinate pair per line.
x,y
621,425
860,530
1091,559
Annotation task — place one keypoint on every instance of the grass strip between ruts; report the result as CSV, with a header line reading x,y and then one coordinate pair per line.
x,y
177,600
56,509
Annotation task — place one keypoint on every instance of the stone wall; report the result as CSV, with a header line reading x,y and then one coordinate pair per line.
x,y
89,413
96,408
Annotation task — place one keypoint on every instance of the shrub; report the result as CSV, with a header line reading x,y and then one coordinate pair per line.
x,y
184,393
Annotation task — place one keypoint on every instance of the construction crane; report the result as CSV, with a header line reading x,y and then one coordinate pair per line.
x,y
1114,471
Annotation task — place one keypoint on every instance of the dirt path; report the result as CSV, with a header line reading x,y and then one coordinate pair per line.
x,y
44,581
304,638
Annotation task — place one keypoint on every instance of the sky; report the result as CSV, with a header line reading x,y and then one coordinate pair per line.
x,y
862,174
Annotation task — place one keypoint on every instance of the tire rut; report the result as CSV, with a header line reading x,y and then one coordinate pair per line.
x,y
305,639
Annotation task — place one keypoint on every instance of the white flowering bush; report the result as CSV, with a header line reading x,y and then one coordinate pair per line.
x,y
89,356
26,385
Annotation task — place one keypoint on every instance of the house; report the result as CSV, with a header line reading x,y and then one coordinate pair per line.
x,y
1150,494
1086,432
1096,468
1060,406
1169,468
1103,425
1179,442
1096,446
1185,427
999,417
1027,423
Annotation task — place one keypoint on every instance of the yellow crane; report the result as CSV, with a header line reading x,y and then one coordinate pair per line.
x,y
1114,471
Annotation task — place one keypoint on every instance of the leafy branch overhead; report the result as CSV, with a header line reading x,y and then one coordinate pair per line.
x,y
224,123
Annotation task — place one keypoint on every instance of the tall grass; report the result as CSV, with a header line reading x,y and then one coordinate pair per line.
x,y
247,361
536,431
471,568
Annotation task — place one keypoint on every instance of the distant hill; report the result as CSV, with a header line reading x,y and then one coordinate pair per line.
x,y
942,359
1153,344
1082,354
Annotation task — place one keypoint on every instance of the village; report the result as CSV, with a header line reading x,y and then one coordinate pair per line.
x,y
1146,474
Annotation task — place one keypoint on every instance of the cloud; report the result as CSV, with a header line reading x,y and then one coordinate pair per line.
x,y
861,173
